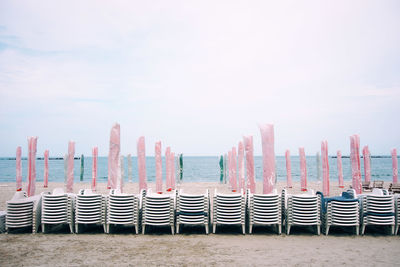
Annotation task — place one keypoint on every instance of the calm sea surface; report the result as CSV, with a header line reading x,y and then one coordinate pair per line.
x,y
195,169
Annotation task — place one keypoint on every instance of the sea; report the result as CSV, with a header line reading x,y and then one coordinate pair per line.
x,y
195,169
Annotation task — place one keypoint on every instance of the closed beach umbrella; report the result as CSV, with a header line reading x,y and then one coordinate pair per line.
x,y
180,167
249,150
82,167
32,143
173,173
230,168
355,163
46,169
367,164
141,154
288,169
267,138
18,169
394,164
94,167
234,168
318,167
340,169
129,158
303,169
65,168
221,167
241,166
168,169
70,168
158,159
113,156
325,168
225,166
120,176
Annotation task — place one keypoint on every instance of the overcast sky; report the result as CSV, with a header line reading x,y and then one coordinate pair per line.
x,y
198,75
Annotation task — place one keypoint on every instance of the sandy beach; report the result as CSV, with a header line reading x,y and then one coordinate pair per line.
x,y
193,247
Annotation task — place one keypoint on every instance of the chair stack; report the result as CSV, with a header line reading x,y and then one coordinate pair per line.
x,y
23,211
229,209
158,210
303,210
57,208
342,213
264,209
122,209
90,208
397,211
3,221
193,210
378,210
283,205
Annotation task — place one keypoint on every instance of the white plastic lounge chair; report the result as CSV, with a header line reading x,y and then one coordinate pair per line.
x,y
229,209
377,210
193,209
57,208
23,211
3,221
158,210
90,208
303,210
264,209
122,209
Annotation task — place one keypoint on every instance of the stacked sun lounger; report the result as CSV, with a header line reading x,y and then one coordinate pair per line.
x,y
57,208
377,209
229,209
264,209
90,208
343,211
192,209
303,210
122,209
397,211
158,210
3,221
23,211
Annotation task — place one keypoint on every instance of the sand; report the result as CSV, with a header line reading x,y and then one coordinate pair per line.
x,y
193,247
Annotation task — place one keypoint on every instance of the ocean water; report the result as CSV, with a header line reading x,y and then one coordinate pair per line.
x,y
195,169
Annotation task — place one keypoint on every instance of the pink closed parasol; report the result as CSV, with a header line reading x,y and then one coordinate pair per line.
x,y
241,166
113,156
158,159
303,169
94,167
141,154
70,167
288,169
234,168
394,165
173,173
168,169
46,169
249,150
32,143
267,138
325,168
18,169
340,169
355,163
367,164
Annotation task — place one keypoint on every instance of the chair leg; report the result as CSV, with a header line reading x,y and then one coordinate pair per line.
x,y
288,229
77,228
177,228
279,229
327,229
207,230
43,228
136,229
106,228
357,230
243,229
363,229
250,228
397,230
392,229
214,228
143,228
71,228
318,230
172,229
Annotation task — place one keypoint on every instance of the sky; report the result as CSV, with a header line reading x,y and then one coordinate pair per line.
x,y
198,75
